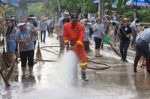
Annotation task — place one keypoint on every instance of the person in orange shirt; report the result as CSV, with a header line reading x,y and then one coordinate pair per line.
x,y
73,36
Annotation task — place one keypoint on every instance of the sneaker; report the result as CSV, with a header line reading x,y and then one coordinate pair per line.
x,y
83,75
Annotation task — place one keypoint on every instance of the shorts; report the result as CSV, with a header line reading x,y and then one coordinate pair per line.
x,y
98,42
142,49
11,47
51,29
27,56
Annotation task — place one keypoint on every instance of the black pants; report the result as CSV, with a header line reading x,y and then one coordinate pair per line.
x,y
86,46
34,44
27,57
43,36
124,45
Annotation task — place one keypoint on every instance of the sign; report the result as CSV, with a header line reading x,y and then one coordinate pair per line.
x,y
139,3
96,1
14,2
114,5
3,1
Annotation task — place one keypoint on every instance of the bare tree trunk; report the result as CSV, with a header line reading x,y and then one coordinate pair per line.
x,y
59,8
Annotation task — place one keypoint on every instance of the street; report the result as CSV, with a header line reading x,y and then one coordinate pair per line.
x,y
54,80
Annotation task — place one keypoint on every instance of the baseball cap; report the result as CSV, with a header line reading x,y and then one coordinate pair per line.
x,y
21,24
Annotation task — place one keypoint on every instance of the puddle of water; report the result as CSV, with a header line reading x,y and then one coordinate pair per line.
x,y
2,87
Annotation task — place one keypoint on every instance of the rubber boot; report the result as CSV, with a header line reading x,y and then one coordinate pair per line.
x,y
136,60
148,65
83,75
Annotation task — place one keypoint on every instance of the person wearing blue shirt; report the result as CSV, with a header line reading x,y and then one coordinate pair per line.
x,y
43,28
31,23
11,41
26,47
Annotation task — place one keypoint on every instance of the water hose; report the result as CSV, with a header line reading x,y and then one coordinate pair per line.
x,y
98,67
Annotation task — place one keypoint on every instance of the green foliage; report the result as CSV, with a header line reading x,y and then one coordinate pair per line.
x,y
37,10
144,15
83,6
125,11
10,11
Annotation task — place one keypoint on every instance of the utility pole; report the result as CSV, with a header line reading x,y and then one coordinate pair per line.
x,y
101,8
59,8
46,3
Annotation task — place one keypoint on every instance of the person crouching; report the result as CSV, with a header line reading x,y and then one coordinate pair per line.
x,y
142,49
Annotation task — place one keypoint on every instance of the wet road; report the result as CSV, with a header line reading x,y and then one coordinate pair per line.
x,y
58,80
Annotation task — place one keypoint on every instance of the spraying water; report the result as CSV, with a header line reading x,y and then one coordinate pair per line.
x,y
68,67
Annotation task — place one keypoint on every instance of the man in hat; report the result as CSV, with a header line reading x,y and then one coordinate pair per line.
x,y
125,33
26,47
64,19
74,33
31,23
142,49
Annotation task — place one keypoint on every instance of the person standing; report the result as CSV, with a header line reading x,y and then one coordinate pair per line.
x,y
98,36
139,31
64,19
11,45
30,23
26,47
115,27
50,26
134,26
125,34
74,33
86,36
43,28
142,49
115,16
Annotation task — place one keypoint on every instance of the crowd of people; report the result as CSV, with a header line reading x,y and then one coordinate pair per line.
x,y
22,36
78,33
128,34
